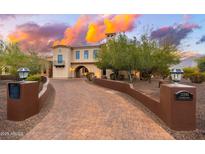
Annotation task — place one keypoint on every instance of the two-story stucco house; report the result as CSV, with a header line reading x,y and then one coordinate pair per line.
x,y
75,61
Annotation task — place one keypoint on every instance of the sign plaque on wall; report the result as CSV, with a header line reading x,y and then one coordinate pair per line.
x,y
14,90
183,96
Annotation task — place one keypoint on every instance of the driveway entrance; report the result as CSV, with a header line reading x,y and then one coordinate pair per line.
x,y
80,71
85,111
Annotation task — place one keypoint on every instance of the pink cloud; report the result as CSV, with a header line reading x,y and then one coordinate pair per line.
x,y
36,37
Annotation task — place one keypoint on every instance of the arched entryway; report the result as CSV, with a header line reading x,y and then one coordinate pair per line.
x,y
80,71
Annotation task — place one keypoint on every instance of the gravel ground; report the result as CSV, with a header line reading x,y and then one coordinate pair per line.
x,y
153,90
16,130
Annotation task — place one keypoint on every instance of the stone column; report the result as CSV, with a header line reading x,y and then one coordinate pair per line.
x,y
22,100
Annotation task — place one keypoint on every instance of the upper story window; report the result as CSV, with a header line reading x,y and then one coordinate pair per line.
x,y
77,55
59,50
86,54
60,58
95,54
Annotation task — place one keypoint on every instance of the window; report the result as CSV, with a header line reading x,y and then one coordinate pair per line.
x,y
60,58
95,54
86,54
77,55
59,50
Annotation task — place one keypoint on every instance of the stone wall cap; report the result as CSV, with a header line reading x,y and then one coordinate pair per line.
x,y
178,85
23,82
27,82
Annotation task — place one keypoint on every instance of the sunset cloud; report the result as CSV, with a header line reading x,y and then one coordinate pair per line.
x,y
174,34
40,32
75,34
87,29
92,29
116,23
36,37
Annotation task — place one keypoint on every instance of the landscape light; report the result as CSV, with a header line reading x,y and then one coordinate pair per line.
x,y
23,73
176,75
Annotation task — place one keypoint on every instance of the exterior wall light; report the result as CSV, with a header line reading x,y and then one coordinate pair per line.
x,y
23,73
72,69
176,75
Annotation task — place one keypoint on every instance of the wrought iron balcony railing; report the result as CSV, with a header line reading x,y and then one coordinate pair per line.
x,y
59,63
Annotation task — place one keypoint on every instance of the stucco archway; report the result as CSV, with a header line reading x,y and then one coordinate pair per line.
x,y
80,71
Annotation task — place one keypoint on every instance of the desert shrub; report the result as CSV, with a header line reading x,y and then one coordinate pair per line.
x,y
197,77
35,77
90,76
189,71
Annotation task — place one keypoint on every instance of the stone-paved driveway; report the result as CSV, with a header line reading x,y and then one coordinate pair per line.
x,y
86,111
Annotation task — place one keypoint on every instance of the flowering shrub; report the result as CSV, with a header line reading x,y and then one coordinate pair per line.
x,y
35,77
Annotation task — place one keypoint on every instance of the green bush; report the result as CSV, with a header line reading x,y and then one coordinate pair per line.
x,y
189,71
197,77
201,63
35,77
90,76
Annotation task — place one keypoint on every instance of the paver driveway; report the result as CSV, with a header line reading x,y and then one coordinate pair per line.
x,y
86,111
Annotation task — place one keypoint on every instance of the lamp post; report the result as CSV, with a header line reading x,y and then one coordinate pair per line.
x,y
23,73
176,75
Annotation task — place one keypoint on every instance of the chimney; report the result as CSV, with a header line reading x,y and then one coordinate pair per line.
x,y
110,36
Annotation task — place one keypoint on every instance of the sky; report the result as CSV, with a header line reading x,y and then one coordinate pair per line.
x,y
40,32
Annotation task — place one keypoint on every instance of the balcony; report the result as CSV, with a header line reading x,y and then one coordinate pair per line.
x,y
59,64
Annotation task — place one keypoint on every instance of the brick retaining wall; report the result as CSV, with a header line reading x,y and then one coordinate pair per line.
x,y
178,115
149,102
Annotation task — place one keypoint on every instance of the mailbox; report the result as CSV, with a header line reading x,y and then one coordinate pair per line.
x,y
14,90
22,100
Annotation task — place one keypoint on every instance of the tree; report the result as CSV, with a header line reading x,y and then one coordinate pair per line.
x,y
155,58
201,64
146,55
166,56
2,48
118,54
14,58
35,63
